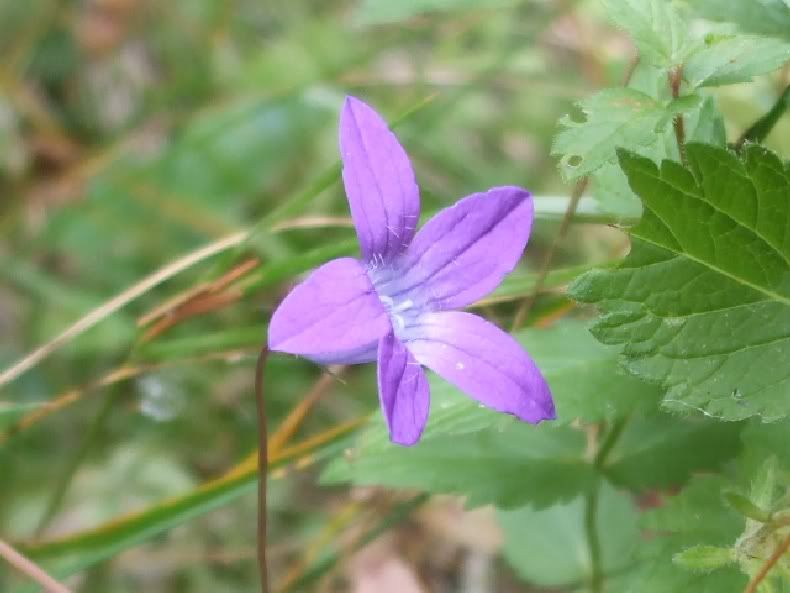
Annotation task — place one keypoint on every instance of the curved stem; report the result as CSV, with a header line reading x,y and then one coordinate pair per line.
x,y
526,306
763,126
263,466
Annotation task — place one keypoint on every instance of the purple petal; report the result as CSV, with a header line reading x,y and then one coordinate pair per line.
x,y
334,316
403,391
379,180
483,361
463,252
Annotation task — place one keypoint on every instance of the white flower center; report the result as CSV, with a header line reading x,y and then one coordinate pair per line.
x,y
401,306
400,311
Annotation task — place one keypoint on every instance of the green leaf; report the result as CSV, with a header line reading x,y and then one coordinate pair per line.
x,y
746,507
610,188
659,451
734,58
520,284
763,485
656,27
609,184
485,456
585,377
549,547
704,558
490,457
702,302
763,17
695,517
706,125
769,439
615,118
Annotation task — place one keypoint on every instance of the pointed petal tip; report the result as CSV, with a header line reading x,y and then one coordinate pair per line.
x,y
513,188
549,413
536,411
516,191
485,362
401,441
348,105
354,106
541,404
351,101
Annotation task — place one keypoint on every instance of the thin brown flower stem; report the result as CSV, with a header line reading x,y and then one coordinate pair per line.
x,y
526,306
578,191
675,79
767,566
263,467
30,569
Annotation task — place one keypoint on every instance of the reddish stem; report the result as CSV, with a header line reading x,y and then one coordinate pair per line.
x,y
675,79
263,467
769,564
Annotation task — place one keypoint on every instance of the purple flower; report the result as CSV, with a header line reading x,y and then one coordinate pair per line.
x,y
396,303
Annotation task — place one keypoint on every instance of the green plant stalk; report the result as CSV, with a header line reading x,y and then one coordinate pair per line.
x,y
760,129
593,541
591,505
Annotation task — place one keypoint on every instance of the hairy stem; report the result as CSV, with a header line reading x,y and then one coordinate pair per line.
x,y
32,570
675,78
769,564
263,463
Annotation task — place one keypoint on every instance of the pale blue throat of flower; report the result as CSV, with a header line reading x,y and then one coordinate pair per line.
x,y
398,304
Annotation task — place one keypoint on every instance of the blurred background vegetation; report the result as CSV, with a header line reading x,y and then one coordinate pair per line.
x,y
134,133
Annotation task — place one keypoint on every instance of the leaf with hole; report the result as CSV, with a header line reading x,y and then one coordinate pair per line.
x,y
615,118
